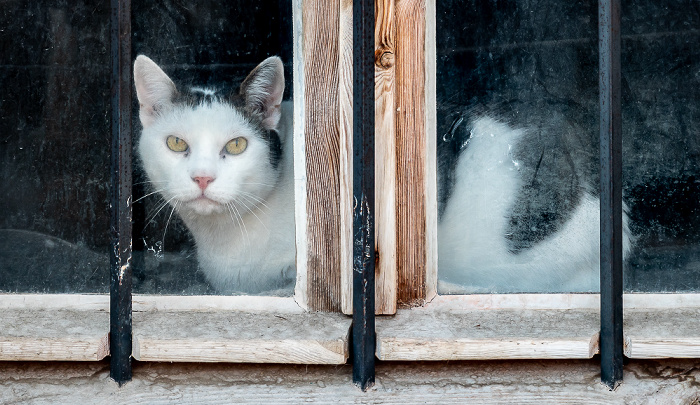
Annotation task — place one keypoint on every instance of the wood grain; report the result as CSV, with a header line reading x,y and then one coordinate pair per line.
x,y
241,337
386,270
56,335
411,151
320,21
345,94
427,334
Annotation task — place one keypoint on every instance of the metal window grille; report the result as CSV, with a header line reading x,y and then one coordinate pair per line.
x,y
363,334
120,199
611,338
363,343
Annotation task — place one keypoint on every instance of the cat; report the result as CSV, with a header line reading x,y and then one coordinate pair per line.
x,y
224,164
475,254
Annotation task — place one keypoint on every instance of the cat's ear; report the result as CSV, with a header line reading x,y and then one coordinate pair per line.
x,y
263,90
154,89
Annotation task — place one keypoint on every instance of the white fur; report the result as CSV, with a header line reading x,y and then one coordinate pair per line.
x,y
473,253
244,228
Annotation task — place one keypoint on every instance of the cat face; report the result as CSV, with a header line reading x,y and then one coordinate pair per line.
x,y
205,154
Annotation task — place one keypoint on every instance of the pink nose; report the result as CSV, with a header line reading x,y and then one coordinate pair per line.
x,y
203,182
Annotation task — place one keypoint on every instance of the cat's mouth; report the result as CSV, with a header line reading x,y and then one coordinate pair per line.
x,y
205,205
202,199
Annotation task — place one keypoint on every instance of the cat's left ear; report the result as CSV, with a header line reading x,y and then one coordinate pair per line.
x,y
263,90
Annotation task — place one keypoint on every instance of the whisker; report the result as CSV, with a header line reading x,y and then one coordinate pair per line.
x,y
168,223
242,223
255,199
147,195
252,212
238,221
161,204
159,210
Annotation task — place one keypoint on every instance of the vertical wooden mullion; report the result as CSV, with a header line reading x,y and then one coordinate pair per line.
x,y
414,210
120,199
386,271
321,121
345,96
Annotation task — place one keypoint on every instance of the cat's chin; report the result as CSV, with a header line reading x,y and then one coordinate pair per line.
x,y
205,206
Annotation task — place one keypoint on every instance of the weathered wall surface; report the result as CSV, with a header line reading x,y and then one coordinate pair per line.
x,y
555,382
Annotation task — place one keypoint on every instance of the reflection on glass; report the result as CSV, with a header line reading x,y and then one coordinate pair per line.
x,y
55,146
214,206
518,146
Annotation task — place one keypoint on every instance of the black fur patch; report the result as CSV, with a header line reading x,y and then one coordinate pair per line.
x,y
194,97
275,145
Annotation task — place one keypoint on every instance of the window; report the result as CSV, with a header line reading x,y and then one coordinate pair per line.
x,y
203,43
513,60
441,71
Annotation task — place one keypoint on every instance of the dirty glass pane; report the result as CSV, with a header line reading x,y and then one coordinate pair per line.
x,y
240,238
55,146
517,146
661,144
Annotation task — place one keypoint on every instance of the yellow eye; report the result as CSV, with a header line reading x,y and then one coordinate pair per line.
x,y
236,146
176,144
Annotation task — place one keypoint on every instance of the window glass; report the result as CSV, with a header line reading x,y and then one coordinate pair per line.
x,y
517,146
518,181
55,146
661,144
213,192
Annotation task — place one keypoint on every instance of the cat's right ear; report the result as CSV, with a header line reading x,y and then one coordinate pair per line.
x,y
154,89
263,90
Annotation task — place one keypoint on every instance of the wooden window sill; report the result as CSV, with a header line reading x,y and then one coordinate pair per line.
x,y
51,327
546,326
241,337
173,329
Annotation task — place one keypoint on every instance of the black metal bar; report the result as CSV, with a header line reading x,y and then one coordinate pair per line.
x,y
120,225
611,337
363,334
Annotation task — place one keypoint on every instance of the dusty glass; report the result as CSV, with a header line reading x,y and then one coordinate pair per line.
x,y
210,48
55,146
517,146
661,144
517,90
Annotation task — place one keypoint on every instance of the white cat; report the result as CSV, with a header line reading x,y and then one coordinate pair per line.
x,y
474,256
225,166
